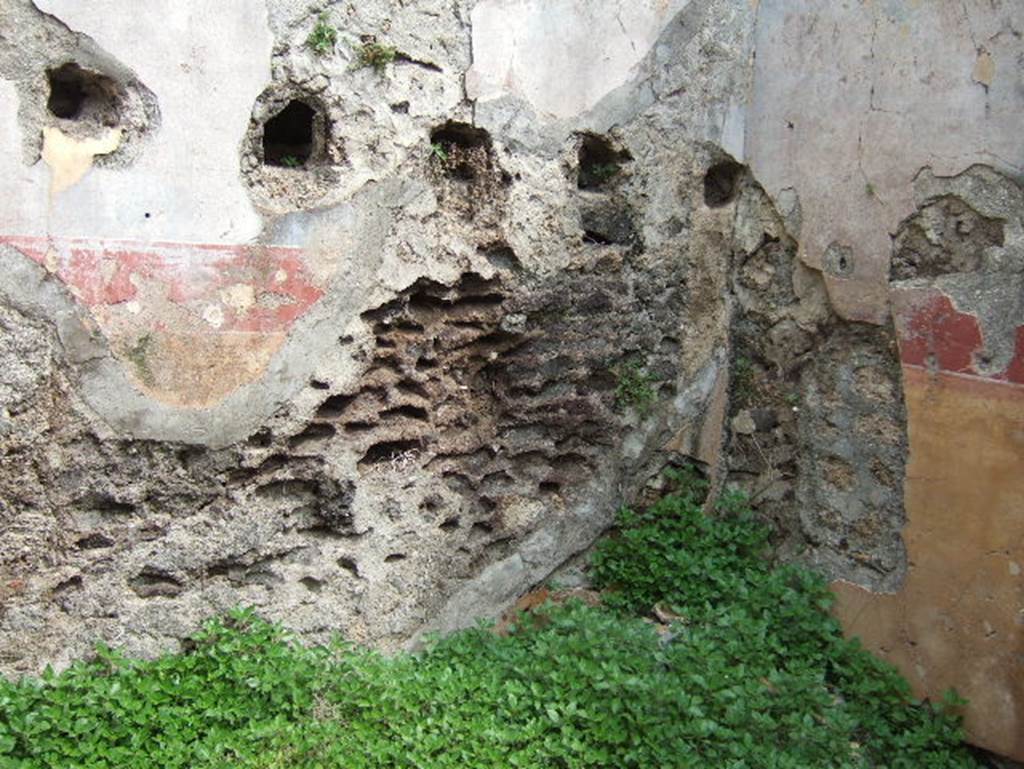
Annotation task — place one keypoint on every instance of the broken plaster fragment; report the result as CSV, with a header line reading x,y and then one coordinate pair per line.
x,y
744,424
70,159
214,316
984,69
240,296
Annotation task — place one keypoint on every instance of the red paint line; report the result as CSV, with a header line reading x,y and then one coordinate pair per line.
x,y
253,288
934,335
922,374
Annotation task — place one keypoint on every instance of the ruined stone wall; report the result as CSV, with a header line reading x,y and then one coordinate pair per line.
x,y
377,344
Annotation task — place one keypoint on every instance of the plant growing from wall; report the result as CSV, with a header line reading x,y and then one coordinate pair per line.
x,y
323,37
602,172
744,384
599,161
635,387
438,152
375,55
138,354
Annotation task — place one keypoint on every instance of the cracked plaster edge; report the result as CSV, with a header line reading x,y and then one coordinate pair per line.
x,y
894,213
998,310
103,383
80,48
513,119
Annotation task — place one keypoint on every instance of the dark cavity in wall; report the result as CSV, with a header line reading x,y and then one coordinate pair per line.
x,y
291,129
609,222
606,217
464,148
599,162
722,183
455,134
65,80
838,260
77,93
946,236
466,174
288,136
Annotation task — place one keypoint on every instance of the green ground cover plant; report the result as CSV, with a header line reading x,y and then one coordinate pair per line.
x,y
751,672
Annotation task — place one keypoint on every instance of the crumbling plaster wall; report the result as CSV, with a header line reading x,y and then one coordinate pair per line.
x,y
882,126
380,392
388,406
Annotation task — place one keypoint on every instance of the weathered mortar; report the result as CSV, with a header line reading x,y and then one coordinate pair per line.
x,y
817,427
373,390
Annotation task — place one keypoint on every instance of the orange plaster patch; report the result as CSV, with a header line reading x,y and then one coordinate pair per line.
x,y
958,620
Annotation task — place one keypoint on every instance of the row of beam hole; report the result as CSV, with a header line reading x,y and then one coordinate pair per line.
x,y
289,140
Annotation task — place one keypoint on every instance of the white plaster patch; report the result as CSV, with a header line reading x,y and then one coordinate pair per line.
x,y
240,296
188,168
16,178
214,315
562,56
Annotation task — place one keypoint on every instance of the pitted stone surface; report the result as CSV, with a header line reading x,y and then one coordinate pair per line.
x,y
378,389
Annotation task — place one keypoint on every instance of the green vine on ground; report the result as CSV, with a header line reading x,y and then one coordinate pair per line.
x,y
749,671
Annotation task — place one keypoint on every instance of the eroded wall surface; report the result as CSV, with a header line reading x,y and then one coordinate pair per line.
x,y
371,389
354,344
890,129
